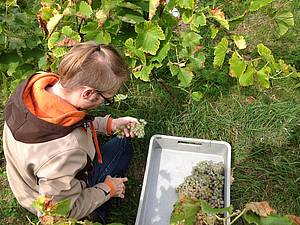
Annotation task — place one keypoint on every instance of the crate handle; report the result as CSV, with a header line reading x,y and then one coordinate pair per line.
x,y
188,143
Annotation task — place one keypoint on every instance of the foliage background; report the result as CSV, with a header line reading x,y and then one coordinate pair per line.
x,y
262,126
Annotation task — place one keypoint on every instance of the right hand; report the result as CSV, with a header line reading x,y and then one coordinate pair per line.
x,y
118,184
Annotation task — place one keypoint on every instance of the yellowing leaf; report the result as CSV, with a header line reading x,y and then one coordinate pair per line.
x,y
144,73
53,22
153,4
101,17
247,78
239,41
185,76
85,10
260,208
220,52
186,4
149,36
237,65
263,76
219,16
257,4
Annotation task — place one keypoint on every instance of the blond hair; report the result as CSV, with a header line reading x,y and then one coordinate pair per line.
x,y
97,66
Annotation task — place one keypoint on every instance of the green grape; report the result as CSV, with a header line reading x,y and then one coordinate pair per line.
x,y
136,128
206,183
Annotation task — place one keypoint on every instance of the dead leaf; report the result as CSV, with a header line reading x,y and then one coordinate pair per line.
x,y
218,12
43,24
260,208
294,219
67,42
250,99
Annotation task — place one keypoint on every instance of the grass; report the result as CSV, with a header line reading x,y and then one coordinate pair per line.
x,y
263,128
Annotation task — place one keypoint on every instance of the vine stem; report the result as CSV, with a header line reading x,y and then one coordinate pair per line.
x,y
238,216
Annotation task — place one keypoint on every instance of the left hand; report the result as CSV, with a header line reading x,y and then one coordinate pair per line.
x,y
122,122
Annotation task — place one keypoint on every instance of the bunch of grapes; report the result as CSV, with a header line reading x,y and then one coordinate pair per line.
x,y
206,183
136,128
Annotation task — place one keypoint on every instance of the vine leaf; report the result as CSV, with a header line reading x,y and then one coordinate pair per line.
x,y
101,17
257,4
247,78
186,4
198,20
214,31
85,10
190,39
239,41
54,38
67,31
219,16
206,208
263,76
184,211
197,95
149,36
266,54
144,73
252,218
133,51
53,22
260,208
220,52
153,4
184,75
284,20
162,54
294,219
237,65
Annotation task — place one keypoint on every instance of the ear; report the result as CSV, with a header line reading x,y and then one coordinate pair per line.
x,y
87,93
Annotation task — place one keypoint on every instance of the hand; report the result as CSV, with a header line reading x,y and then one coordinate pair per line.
x,y
122,122
118,184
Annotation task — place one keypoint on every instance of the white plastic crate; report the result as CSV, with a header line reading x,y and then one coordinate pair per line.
x,y
170,160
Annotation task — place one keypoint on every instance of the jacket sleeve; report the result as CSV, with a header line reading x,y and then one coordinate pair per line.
x,y
57,180
101,124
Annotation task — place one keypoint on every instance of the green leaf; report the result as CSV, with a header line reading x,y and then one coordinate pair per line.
x,y
162,54
38,203
12,68
132,51
149,36
190,39
237,65
257,4
174,69
67,30
197,96
53,22
197,62
153,4
187,16
129,5
266,54
239,41
103,37
263,76
206,208
252,218
144,73
247,78
85,10
59,51
186,4
220,52
54,38
120,97
198,20
219,16
130,18
62,208
185,77
284,20
43,63
184,212
214,31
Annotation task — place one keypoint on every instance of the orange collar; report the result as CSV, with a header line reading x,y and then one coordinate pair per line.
x,y
47,106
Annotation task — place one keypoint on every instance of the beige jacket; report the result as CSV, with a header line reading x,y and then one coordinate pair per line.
x,y
49,159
